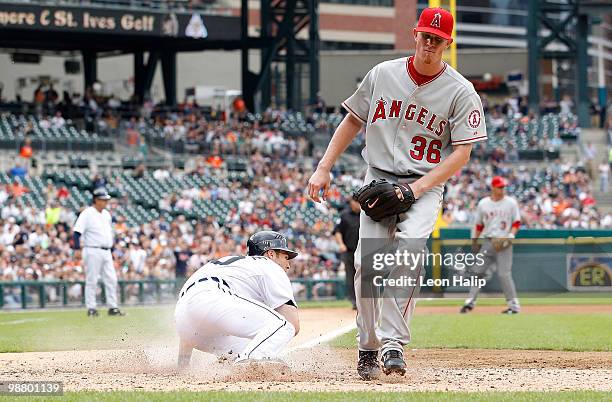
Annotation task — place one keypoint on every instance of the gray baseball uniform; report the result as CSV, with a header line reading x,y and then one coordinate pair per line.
x,y
410,129
496,219
97,239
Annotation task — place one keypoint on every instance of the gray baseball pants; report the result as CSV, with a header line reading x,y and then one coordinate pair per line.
x,y
500,262
383,323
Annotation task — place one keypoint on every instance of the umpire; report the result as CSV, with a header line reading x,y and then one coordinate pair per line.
x,y
94,229
347,236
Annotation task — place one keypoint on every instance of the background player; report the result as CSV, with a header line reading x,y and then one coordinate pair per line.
x,y
240,306
346,233
94,230
421,118
497,221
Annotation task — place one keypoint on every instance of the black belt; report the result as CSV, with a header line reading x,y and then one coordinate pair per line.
x,y
401,176
103,248
213,278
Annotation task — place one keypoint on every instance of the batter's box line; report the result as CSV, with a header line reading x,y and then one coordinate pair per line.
x,y
321,339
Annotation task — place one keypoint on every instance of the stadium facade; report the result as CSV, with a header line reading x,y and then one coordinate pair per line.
x,y
355,34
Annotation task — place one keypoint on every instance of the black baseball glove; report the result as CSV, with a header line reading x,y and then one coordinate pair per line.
x,y
381,199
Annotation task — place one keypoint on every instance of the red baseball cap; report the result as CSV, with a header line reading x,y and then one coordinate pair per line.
x,y
498,181
436,21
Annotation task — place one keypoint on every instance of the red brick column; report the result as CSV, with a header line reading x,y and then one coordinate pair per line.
x,y
405,21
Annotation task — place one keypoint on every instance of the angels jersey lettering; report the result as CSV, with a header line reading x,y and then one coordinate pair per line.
x,y
411,128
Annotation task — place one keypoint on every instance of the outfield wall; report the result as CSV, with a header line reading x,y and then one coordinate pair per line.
x,y
543,260
546,261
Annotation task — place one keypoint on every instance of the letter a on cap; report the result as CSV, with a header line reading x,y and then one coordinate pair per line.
x,y
435,22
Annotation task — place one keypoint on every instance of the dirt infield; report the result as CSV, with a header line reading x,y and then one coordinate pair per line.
x,y
320,368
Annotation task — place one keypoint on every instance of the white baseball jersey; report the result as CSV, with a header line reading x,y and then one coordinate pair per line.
x,y
254,277
95,227
497,217
410,128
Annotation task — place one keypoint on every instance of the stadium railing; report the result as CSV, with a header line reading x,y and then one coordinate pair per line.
x,y
147,290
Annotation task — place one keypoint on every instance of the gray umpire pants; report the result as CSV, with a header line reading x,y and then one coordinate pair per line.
x,y
500,262
98,261
384,322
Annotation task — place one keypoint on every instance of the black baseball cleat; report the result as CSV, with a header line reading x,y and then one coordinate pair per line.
x,y
393,363
115,311
367,366
466,308
510,311
92,312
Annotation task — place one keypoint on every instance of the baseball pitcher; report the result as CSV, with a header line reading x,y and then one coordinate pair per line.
x,y
240,307
498,219
421,118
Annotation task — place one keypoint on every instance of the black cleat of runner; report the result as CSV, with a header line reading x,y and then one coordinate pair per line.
x,y
92,312
510,311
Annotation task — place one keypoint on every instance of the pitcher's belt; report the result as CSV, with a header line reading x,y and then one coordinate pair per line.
x,y
400,176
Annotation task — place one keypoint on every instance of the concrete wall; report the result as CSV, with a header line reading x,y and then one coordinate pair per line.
x,y
216,68
340,72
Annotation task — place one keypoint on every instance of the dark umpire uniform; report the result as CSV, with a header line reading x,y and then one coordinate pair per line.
x,y
347,236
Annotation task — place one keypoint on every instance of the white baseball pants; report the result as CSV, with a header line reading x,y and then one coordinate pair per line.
x,y
98,261
215,320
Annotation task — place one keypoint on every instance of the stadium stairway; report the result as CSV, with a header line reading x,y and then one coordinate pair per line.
x,y
598,138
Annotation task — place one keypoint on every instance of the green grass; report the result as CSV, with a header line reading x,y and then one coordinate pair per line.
x,y
73,330
330,396
324,303
46,330
561,299
573,332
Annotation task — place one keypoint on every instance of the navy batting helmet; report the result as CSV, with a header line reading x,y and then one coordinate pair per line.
x,y
266,240
101,193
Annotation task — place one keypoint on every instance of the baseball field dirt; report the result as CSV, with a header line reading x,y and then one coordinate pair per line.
x,y
323,367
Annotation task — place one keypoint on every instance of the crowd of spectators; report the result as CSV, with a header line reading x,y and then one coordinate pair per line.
x,y
275,133
31,250
512,128
556,196
35,243
282,134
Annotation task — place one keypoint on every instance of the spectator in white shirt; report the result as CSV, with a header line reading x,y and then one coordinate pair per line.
x,y
58,121
137,256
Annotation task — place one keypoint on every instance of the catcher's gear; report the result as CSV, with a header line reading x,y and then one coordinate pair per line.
x,y
381,199
266,240
500,244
